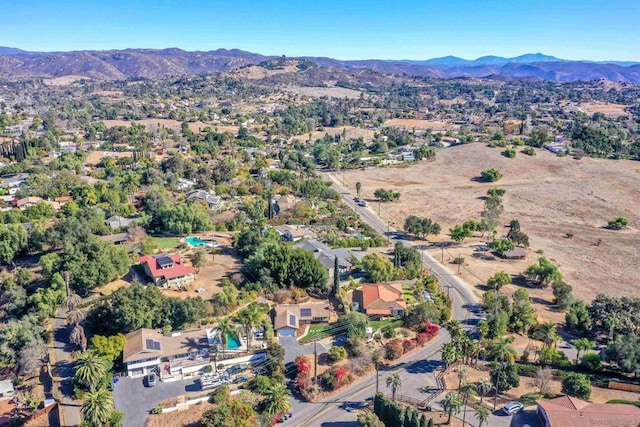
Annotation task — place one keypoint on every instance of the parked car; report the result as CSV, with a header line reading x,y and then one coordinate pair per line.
x,y
151,380
259,335
236,369
512,408
241,379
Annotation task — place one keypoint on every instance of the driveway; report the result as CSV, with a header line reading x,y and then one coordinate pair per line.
x,y
136,401
293,349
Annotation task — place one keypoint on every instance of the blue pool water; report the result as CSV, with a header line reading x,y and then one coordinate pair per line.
x,y
232,342
196,241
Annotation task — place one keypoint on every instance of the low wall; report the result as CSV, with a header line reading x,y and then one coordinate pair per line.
x,y
614,385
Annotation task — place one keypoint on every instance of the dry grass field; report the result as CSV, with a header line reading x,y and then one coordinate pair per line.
x,y
331,92
63,80
435,125
95,157
352,132
608,109
152,125
549,195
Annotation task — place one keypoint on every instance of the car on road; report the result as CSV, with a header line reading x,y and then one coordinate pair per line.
x,y
363,203
512,408
151,380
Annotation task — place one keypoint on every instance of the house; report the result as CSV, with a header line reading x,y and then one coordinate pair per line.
x,y
289,320
185,184
167,270
63,200
408,157
212,201
558,147
283,204
449,140
133,235
146,349
28,202
380,299
6,389
327,256
116,222
571,411
293,233
516,253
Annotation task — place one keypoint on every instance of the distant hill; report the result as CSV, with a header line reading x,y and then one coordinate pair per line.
x,y
154,63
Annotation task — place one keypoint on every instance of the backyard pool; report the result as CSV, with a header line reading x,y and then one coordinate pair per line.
x,y
232,341
196,241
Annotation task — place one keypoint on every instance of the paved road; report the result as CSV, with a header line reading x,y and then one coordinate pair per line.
x,y
136,401
293,349
62,367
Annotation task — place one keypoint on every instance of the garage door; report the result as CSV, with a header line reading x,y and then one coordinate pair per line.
x,y
286,332
136,372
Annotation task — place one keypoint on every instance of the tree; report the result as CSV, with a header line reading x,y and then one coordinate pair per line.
x,y
386,195
337,353
198,258
490,175
547,333
502,350
493,208
394,382
625,352
230,413
582,344
355,324
502,246
462,374
336,277
483,387
31,356
523,314
467,391
498,280
543,380
421,227
377,268
591,361
505,377
358,188
249,317
482,414
544,272
225,327
78,337
562,294
577,385
276,400
369,419
109,348
577,318
90,369
449,354
421,313
13,240
452,404
97,407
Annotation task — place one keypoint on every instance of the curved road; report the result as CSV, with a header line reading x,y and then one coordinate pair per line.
x,y
424,361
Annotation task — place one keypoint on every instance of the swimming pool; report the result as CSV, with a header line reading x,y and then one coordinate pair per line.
x,y
196,241
232,341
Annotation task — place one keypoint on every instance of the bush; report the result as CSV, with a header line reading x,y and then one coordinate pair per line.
x,y
259,384
389,331
337,353
618,223
336,377
527,370
490,175
408,345
422,338
529,151
360,365
510,153
507,376
577,385
624,402
157,409
207,369
393,349
591,361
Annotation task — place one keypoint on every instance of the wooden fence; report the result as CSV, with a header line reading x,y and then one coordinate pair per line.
x,y
615,385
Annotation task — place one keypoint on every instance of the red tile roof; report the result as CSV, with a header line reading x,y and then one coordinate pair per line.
x,y
177,270
380,298
571,411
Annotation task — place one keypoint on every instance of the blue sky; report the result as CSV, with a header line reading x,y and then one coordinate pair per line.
x,y
350,29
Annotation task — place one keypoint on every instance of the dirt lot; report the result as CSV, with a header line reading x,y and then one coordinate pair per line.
x,y
95,157
608,109
188,417
331,92
549,195
435,125
598,395
152,125
352,132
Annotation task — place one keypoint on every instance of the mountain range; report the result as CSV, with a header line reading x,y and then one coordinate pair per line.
x,y
154,63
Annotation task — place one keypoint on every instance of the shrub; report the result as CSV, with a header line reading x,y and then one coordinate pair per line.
x,y
259,384
577,385
207,369
618,223
422,338
408,345
529,151
510,153
157,409
393,349
591,361
490,175
337,353
389,331
360,365
527,370
336,377
624,402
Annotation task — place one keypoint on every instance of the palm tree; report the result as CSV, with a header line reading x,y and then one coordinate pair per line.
x,y
547,333
467,391
72,301
582,344
455,329
75,316
449,354
224,328
394,382
249,317
78,337
463,372
483,387
90,369
482,414
482,329
276,401
502,350
97,407
452,405
358,188
376,358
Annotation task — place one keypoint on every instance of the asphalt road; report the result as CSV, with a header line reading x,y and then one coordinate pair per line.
x,y
63,372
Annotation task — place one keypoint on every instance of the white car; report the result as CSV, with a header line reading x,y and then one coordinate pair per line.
x,y
363,203
512,408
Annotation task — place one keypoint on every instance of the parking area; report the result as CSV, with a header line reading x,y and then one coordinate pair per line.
x,y
293,349
136,401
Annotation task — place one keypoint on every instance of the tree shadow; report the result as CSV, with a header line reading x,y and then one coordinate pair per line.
x,y
423,366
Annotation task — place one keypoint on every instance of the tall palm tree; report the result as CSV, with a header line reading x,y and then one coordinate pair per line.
x,y
467,391
276,401
224,328
451,405
90,369
582,344
463,373
97,407
449,354
547,333
249,317
358,188
78,337
72,301
394,382
482,414
502,350
75,316
483,387
376,358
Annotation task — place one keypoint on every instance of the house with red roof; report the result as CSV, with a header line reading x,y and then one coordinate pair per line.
x,y
380,299
167,270
566,411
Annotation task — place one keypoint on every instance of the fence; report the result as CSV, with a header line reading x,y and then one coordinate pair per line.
x,y
624,386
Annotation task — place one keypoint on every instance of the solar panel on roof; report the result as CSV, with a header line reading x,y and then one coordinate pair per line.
x,y
148,344
156,345
305,312
292,319
164,261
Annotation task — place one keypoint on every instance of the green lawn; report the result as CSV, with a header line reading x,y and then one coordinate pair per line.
x,y
375,324
166,242
316,331
407,294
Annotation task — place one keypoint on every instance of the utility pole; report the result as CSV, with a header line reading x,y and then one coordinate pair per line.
x,y
315,361
442,249
377,375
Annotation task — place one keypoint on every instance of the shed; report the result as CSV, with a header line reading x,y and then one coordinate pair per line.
x,y
517,253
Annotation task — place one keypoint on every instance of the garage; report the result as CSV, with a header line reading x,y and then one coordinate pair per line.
x,y
286,332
